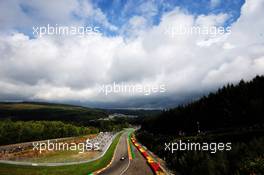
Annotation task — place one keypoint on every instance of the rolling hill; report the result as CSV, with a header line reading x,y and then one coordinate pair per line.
x,y
48,111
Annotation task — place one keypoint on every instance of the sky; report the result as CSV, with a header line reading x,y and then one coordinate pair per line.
x,y
135,46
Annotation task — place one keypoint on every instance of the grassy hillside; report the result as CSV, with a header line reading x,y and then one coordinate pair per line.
x,y
48,111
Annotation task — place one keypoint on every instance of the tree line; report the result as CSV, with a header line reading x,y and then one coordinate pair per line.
x,y
23,131
233,106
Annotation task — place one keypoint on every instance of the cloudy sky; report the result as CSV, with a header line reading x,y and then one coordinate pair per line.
x,y
133,47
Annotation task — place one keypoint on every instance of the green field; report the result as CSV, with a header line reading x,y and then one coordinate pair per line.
x,y
62,156
48,111
80,169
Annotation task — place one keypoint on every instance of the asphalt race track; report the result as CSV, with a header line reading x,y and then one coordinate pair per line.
x,y
136,166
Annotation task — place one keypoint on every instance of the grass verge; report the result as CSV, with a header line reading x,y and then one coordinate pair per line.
x,y
131,146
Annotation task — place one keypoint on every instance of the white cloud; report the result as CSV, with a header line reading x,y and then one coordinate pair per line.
x,y
69,68
148,9
215,3
212,19
89,12
28,13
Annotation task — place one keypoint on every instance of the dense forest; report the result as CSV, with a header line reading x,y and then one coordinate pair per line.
x,y
233,106
235,113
